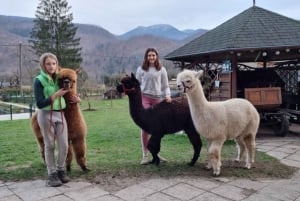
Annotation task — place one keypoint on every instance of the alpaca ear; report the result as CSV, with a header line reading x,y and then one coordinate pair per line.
x,y
199,74
78,70
133,76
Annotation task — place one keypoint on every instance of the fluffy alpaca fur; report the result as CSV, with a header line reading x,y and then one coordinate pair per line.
x,y
163,118
219,121
77,128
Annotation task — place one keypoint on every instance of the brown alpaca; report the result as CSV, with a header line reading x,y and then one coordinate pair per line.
x,y
77,128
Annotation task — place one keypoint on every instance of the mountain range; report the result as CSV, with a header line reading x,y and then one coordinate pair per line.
x,y
103,52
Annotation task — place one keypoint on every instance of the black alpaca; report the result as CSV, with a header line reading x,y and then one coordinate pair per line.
x,y
163,118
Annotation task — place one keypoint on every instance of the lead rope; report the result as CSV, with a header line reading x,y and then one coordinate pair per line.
x,y
50,121
61,116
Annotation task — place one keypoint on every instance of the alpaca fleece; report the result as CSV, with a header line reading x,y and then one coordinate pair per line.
x,y
160,119
220,121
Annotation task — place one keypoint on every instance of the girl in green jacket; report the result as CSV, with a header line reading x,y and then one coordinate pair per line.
x,y
51,103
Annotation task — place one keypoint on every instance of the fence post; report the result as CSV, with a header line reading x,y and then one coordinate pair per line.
x,y
11,111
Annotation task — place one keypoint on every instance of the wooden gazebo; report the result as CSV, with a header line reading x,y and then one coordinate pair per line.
x,y
254,36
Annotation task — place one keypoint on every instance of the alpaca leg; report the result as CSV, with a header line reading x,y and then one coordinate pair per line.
x,y
215,156
69,158
241,148
144,142
42,148
154,148
238,148
209,165
79,147
196,141
250,143
38,135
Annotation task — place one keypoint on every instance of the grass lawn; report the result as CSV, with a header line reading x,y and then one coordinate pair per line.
x,y
114,151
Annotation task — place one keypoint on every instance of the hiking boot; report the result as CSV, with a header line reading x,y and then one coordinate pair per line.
x,y
53,180
62,176
145,160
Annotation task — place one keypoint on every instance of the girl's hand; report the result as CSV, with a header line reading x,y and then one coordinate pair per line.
x,y
168,99
74,99
59,93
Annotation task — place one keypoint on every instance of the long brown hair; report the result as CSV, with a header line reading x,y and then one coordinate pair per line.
x,y
146,64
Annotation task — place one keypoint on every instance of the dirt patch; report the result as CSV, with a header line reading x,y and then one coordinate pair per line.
x,y
113,182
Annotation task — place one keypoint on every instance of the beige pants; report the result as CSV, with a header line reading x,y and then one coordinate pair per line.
x,y
53,126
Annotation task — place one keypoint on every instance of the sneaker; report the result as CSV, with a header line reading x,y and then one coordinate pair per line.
x,y
62,176
145,160
162,159
53,180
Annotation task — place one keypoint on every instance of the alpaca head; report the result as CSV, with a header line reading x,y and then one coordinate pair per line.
x,y
187,80
129,84
67,79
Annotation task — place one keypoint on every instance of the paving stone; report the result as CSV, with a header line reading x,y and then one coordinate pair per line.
x,y
222,179
160,197
264,148
261,197
291,163
286,149
183,191
295,156
90,192
18,187
35,194
107,198
231,192
135,192
73,186
10,198
249,184
4,191
209,197
282,191
277,154
58,198
203,183
160,184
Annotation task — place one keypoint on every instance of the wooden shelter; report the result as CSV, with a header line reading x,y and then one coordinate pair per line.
x,y
255,36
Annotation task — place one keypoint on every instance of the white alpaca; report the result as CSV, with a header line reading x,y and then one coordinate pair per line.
x,y
220,121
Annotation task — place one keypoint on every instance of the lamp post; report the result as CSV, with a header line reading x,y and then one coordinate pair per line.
x,y
20,66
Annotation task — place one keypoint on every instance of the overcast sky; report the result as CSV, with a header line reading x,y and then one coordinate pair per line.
x,y
120,16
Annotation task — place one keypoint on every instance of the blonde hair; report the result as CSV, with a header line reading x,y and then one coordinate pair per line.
x,y
44,57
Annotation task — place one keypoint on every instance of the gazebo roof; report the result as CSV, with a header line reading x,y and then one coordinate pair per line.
x,y
248,34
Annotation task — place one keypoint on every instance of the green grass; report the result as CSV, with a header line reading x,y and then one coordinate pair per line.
x,y
114,150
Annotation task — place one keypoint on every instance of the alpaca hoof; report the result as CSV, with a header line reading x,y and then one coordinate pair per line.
x,y
248,166
155,162
85,169
68,168
216,173
191,163
207,167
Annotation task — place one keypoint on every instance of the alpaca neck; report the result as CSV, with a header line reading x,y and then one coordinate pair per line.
x,y
137,110
197,96
198,106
